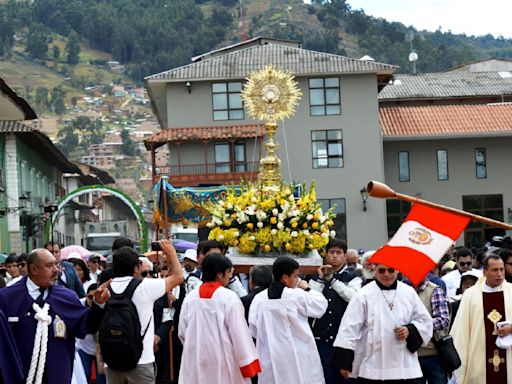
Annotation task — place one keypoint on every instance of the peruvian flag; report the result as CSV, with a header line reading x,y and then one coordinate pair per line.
x,y
421,241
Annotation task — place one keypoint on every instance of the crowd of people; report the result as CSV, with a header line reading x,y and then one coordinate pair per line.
x,y
191,319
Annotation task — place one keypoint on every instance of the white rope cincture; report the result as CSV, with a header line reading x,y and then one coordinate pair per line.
x,y
40,344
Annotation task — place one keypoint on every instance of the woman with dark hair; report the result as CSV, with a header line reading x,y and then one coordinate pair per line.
x,y
82,271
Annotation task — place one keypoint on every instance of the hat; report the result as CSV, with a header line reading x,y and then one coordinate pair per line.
x,y
94,256
190,254
74,255
450,264
471,273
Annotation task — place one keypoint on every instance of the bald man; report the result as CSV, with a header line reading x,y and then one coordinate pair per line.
x,y
67,317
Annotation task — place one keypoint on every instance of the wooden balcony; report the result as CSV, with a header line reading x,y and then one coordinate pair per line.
x,y
214,174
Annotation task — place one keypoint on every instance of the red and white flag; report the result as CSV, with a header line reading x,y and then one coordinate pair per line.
x,y
421,241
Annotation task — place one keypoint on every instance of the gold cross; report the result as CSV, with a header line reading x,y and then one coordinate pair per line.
x,y
496,360
494,316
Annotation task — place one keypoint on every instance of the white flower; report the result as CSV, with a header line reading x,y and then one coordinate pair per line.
x,y
281,217
221,203
309,217
291,197
273,231
259,224
280,225
252,238
294,219
305,232
236,234
230,206
333,233
261,215
254,199
221,237
325,235
209,224
294,234
275,211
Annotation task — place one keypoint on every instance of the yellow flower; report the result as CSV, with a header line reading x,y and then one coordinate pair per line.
x,y
267,248
305,225
314,225
250,225
294,225
227,223
288,247
273,220
316,216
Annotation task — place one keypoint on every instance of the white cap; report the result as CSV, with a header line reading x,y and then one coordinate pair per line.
x,y
471,273
74,255
190,254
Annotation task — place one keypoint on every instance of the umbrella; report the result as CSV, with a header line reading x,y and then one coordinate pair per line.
x,y
182,245
74,251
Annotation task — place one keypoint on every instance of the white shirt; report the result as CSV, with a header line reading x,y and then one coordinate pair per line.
x,y
145,295
284,340
367,328
452,281
33,290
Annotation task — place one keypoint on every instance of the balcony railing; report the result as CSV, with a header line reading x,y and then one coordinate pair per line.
x,y
219,173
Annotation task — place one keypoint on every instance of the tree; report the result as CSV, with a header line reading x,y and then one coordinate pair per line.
x,y
73,48
128,146
56,52
57,100
37,41
42,101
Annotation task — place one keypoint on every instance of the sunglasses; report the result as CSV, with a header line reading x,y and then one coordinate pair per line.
x,y
383,270
466,263
144,273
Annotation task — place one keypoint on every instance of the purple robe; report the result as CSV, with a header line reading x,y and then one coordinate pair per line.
x,y
11,370
17,306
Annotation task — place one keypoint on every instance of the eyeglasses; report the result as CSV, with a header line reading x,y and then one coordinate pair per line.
x,y
383,270
466,263
90,297
144,273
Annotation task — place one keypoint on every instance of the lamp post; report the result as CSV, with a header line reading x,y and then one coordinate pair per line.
x,y
49,210
364,197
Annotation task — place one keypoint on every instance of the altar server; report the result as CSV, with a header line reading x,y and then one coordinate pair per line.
x,y
384,325
217,346
278,320
37,303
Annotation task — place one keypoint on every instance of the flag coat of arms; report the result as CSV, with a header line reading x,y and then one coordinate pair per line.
x,y
421,241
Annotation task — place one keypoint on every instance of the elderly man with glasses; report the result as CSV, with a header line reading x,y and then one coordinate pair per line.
x,y
383,327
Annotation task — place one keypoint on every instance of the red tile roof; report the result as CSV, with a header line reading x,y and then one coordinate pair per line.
x,y
205,133
446,120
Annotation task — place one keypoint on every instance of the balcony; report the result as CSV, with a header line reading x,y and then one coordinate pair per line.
x,y
196,174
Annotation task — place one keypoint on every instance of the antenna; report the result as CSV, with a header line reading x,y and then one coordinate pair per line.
x,y
413,56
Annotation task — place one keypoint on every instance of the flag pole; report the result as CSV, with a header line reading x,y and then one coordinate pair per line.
x,y
381,190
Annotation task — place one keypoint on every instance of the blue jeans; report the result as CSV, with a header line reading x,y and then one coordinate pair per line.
x,y
433,372
87,363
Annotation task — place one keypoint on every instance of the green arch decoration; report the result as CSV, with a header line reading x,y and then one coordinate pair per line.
x,y
101,188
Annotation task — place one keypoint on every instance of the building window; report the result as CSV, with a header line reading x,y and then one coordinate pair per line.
x,y
397,211
227,104
327,148
230,157
403,166
442,164
491,206
324,96
340,221
480,163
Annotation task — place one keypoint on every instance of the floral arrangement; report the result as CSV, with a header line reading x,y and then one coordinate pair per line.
x,y
257,222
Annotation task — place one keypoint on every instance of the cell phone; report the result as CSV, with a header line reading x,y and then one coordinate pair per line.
x,y
155,246
327,269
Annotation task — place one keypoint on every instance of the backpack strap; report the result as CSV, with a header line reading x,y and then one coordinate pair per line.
x,y
128,292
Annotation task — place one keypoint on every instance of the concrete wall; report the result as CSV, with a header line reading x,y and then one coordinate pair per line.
x,y
461,170
362,147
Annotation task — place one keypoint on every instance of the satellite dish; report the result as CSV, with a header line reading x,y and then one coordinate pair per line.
x,y
413,56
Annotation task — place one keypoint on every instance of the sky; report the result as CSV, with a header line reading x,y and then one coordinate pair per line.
x,y
472,17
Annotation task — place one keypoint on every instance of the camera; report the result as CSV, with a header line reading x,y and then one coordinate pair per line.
x,y
155,246
502,242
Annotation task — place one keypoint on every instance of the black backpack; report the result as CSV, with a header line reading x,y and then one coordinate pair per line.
x,y
120,339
